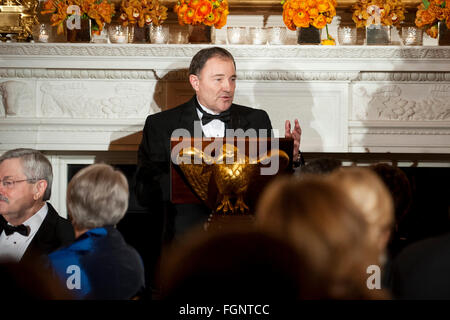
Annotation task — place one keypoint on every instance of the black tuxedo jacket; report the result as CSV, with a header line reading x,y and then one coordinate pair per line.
x,y
153,173
53,233
154,150
421,270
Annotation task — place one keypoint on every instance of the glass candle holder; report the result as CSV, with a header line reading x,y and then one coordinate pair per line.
x,y
180,36
412,36
159,34
118,33
347,35
378,35
237,35
258,35
276,35
43,33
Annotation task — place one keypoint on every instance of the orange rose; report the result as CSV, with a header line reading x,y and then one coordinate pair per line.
x,y
322,5
311,3
204,9
189,16
301,19
320,22
222,20
423,18
313,12
433,31
194,4
328,42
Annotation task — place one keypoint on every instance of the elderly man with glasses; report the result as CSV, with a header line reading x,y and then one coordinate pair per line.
x,y
29,225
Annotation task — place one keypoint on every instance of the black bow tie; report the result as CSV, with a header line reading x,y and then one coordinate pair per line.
x,y
9,229
208,117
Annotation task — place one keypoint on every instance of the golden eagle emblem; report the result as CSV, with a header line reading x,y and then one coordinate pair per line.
x,y
231,171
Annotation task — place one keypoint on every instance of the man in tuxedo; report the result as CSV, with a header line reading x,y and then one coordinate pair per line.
x,y
211,112
29,225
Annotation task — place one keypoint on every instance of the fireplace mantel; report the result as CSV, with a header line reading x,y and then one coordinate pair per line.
x,y
96,97
82,103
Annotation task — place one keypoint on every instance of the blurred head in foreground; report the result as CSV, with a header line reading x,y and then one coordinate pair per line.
x,y
373,199
328,230
233,263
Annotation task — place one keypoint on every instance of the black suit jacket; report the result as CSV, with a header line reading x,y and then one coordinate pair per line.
x,y
153,173
53,233
421,270
154,150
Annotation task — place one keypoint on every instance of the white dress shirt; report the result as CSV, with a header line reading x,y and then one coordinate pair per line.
x,y
215,128
13,247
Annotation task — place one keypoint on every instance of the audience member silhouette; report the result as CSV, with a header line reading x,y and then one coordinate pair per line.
x,y
320,166
24,281
421,271
327,229
99,264
233,264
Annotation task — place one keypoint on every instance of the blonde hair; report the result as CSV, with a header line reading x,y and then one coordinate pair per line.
x,y
97,196
370,194
326,227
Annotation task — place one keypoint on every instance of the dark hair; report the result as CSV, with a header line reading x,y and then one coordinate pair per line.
x,y
321,166
201,57
399,186
233,263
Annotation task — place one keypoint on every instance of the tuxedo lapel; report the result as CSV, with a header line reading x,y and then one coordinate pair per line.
x,y
189,117
238,121
2,223
43,241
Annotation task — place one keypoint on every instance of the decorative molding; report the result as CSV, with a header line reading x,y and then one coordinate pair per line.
x,y
239,51
78,100
405,76
399,131
390,103
40,73
16,99
170,75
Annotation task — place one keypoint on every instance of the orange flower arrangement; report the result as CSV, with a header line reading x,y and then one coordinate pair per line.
x,y
430,12
384,12
99,11
305,13
142,12
207,12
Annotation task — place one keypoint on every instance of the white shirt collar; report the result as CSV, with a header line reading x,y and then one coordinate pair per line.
x,y
205,109
35,221
13,247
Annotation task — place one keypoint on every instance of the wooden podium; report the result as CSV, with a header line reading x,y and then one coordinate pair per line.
x,y
209,183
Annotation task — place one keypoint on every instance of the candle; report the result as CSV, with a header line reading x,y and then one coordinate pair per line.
x,y
43,34
120,39
410,36
347,36
43,38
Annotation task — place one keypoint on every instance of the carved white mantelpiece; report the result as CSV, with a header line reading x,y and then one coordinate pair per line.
x,y
78,102
348,99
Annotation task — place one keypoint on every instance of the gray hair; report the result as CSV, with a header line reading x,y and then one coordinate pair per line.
x,y
35,166
97,196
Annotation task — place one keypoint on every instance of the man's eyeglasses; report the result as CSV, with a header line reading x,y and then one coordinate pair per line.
x,y
10,183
